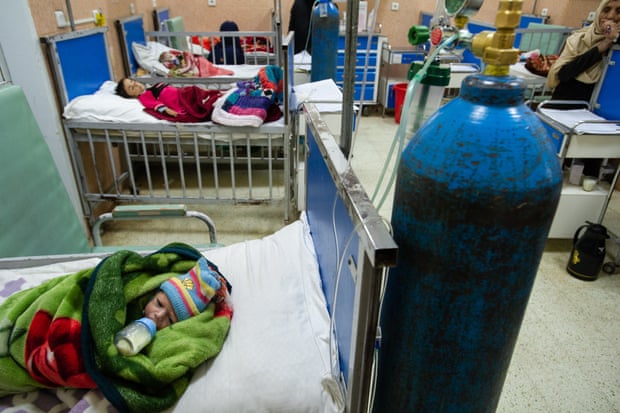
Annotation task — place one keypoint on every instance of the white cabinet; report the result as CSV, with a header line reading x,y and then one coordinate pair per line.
x,y
577,205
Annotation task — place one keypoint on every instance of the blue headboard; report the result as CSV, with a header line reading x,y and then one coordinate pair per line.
x,y
130,29
159,17
344,223
605,97
79,62
326,211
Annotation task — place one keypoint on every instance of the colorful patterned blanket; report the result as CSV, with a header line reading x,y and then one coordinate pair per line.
x,y
252,102
60,333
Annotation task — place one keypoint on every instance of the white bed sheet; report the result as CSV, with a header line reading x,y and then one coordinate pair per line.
x,y
276,357
322,92
106,106
519,70
572,117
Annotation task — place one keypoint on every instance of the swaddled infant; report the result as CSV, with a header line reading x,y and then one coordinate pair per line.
x,y
186,64
187,295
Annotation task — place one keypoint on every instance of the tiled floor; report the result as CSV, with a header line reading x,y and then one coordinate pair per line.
x,y
567,357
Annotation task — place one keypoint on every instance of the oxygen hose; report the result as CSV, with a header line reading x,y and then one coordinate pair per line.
x,y
309,34
399,137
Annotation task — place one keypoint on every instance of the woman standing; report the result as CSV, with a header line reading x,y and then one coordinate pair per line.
x,y
575,73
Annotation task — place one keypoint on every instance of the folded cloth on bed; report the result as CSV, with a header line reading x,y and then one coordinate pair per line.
x,y
60,333
252,102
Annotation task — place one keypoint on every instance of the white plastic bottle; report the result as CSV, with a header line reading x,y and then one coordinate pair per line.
x,y
135,336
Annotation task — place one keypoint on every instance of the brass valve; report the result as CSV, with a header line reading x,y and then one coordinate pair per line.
x,y
496,48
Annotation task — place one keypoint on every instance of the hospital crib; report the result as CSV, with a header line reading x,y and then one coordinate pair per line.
x,y
44,236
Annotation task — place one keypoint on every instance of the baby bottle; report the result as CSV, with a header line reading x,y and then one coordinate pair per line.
x,y
135,336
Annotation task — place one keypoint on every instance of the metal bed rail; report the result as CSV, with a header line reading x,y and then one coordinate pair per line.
x,y
190,164
259,47
548,40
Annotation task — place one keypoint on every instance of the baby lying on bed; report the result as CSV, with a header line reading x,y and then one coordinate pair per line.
x,y
60,333
185,64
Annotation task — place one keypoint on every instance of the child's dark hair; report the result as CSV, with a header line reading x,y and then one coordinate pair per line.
x,y
120,89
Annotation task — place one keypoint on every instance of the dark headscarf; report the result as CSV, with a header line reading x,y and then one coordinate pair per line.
x,y
229,50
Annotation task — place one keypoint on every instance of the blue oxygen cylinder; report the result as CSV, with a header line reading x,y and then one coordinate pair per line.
x,y
477,189
325,23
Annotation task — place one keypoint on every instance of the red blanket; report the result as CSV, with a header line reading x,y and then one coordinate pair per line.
x,y
197,102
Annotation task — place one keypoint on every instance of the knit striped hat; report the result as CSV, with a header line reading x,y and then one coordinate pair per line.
x,y
191,292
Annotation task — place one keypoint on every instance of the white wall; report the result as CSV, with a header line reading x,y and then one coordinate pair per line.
x,y
27,68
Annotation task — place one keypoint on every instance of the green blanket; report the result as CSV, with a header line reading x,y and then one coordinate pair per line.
x,y
60,333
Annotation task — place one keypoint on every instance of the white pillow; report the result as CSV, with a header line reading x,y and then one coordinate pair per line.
x,y
107,87
107,107
276,357
147,56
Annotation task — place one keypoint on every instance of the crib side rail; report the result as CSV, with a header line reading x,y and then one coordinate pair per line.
x,y
178,164
548,40
341,214
259,47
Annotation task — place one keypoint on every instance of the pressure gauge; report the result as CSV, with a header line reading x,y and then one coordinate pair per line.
x,y
462,7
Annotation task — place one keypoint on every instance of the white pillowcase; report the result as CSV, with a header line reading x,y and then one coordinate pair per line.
x,y
147,56
109,87
276,357
107,107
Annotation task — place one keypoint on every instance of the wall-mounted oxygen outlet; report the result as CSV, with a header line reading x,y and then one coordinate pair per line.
x,y
61,20
211,3
591,16
544,12
395,6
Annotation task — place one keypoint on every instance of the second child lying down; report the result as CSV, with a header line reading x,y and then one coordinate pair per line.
x,y
185,64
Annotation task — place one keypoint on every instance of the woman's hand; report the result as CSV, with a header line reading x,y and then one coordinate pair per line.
x,y
610,30
171,112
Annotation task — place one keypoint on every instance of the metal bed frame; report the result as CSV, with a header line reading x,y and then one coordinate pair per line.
x,y
168,162
339,214
170,31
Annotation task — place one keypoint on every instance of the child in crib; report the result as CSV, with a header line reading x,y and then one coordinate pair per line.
x,y
184,296
185,64
164,101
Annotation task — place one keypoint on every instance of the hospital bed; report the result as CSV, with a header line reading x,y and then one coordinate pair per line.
x,y
120,154
306,298
547,40
591,131
141,50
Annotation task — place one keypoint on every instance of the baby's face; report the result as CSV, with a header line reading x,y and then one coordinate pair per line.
x,y
166,57
169,60
160,310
